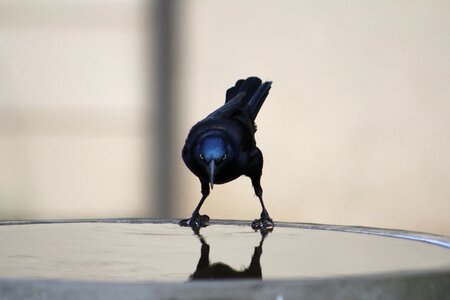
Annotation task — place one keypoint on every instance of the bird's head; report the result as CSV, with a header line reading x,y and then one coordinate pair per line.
x,y
213,152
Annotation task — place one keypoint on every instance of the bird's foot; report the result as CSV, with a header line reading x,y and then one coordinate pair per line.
x,y
196,221
264,224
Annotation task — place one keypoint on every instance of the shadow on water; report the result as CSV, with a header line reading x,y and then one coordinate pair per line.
x,y
219,270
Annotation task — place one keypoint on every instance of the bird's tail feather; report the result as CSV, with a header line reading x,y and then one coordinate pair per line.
x,y
257,99
255,93
249,86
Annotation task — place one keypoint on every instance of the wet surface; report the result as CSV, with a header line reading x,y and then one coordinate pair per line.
x,y
167,252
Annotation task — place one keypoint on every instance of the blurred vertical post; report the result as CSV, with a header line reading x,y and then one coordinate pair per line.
x,y
164,74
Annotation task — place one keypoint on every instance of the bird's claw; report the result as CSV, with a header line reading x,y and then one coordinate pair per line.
x,y
264,224
196,221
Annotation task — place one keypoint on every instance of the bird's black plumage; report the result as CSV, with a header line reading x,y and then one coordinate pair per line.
x,y
222,147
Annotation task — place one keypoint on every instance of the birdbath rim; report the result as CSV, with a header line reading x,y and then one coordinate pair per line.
x,y
430,238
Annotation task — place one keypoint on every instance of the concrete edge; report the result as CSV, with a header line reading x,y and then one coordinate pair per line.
x,y
423,285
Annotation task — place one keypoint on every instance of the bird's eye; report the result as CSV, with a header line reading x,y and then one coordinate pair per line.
x,y
224,157
202,157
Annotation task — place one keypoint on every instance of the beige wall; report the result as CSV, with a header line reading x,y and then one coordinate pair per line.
x,y
355,130
72,109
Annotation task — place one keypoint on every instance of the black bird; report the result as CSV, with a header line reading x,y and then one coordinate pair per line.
x,y
222,147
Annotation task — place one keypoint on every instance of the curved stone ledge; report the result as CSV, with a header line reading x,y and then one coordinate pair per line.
x,y
429,286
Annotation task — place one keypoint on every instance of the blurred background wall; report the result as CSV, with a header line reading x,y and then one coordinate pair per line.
x,y
97,97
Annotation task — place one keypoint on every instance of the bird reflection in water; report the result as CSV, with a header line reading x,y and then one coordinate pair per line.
x,y
207,271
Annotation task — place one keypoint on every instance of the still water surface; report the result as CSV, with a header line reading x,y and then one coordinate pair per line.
x,y
167,252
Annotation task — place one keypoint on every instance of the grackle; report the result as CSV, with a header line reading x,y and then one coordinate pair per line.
x,y
222,147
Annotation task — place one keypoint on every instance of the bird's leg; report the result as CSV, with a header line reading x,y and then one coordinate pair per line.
x,y
265,222
197,220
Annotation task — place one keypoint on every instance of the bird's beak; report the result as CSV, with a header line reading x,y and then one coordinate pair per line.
x,y
212,167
